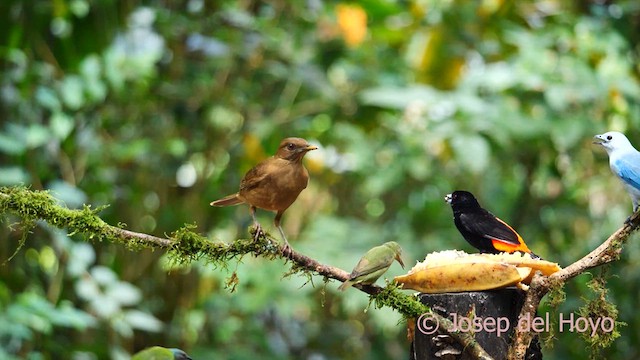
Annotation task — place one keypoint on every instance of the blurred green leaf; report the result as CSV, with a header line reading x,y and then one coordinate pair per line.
x,y
35,135
68,316
13,175
472,151
121,326
87,289
69,195
81,256
400,98
48,99
61,125
72,92
106,308
91,71
11,145
104,275
142,321
124,293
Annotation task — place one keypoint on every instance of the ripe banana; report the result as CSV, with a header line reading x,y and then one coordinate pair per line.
x,y
456,271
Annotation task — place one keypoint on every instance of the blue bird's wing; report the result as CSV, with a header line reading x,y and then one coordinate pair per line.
x,y
628,169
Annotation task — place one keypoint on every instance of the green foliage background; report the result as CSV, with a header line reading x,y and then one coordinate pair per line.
x,y
156,108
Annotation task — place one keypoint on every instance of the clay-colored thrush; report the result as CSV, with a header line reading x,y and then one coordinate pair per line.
x,y
274,184
373,264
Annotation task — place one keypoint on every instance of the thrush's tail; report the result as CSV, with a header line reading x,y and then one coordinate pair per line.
x,y
227,201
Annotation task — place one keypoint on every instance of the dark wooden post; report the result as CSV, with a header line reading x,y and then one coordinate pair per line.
x,y
491,315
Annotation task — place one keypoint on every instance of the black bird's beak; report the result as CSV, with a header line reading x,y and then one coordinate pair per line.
x,y
448,198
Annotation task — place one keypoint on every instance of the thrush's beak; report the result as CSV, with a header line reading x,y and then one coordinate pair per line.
x,y
400,260
309,148
598,140
448,198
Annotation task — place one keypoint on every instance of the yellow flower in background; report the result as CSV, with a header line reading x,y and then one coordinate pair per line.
x,y
352,21
253,148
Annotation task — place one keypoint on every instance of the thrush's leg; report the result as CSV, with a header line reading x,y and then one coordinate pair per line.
x,y
259,231
276,221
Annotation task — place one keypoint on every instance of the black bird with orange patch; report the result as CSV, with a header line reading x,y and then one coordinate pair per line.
x,y
481,228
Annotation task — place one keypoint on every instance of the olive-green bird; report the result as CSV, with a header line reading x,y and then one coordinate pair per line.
x,y
373,264
160,353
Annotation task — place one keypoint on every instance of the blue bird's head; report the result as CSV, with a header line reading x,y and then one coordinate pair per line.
x,y
613,141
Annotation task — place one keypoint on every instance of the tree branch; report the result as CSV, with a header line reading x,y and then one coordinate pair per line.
x,y
607,252
186,245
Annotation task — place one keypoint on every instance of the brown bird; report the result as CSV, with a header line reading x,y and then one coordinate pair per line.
x,y
274,184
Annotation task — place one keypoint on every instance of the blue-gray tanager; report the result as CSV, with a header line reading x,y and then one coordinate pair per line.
x,y
624,161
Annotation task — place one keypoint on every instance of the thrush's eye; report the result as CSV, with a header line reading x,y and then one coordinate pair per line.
x,y
609,137
291,146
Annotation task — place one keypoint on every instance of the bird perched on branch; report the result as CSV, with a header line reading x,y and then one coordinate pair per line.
x,y
481,228
624,161
160,353
373,264
274,184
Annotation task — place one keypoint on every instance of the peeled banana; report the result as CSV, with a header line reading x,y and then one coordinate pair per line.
x,y
457,271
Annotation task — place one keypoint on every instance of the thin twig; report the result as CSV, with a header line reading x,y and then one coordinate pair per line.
x,y
150,239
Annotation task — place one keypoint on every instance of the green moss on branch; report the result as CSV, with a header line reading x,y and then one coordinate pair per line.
x,y
36,205
409,306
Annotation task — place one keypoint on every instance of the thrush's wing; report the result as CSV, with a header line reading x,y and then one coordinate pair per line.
x,y
257,175
490,227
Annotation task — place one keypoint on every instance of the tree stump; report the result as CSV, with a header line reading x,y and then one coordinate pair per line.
x,y
491,315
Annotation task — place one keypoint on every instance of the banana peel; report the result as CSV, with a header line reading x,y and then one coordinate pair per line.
x,y
457,271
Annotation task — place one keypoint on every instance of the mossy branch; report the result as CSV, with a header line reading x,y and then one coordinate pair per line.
x,y
606,253
186,245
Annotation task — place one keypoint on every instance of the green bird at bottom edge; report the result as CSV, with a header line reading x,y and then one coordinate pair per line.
x,y
160,353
